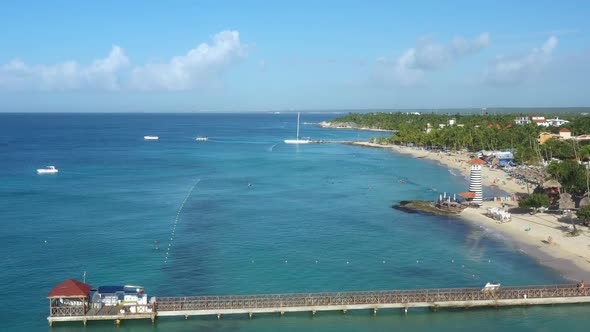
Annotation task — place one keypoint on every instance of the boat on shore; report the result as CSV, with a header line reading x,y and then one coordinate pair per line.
x,y
47,170
151,138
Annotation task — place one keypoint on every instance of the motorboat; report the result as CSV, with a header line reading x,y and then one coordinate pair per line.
x,y
202,138
151,138
47,170
491,287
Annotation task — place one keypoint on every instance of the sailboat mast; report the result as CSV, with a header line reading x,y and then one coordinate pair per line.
x,y
297,125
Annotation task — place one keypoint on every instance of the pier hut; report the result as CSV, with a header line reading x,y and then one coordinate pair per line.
x,y
475,185
70,298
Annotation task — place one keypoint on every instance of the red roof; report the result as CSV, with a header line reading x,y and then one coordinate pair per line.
x,y
467,194
490,126
498,126
565,130
70,288
509,126
476,161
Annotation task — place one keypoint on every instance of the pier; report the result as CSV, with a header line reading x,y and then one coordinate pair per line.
x,y
187,306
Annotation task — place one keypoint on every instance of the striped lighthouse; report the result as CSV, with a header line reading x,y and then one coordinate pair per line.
x,y
475,179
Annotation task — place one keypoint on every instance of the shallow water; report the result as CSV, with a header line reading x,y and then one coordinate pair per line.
x,y
258,216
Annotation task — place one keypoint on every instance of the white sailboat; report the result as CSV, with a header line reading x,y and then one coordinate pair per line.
x,y
297,141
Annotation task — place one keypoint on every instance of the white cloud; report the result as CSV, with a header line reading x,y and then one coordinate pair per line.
x,y
200,67
410,67
69,75
516,68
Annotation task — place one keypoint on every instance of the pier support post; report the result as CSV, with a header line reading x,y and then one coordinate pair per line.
x,y
282,313
374,311
344,311
185,316
84,321
250,315
313,312
218,316
153,319
405,310
117,322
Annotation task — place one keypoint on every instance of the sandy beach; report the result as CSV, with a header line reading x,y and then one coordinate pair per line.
x,y
529,233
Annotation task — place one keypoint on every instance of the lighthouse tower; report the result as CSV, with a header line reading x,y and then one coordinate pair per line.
x,y
475,179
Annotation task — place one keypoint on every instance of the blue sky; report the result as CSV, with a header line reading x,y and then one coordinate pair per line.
x,y
317,55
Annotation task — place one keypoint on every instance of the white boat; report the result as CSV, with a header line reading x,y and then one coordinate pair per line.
x,y
297,141
47,170
151,138
202,138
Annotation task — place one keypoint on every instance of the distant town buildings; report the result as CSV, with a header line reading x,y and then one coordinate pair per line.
x,y
540,121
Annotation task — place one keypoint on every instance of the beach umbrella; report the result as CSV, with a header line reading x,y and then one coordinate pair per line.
x,y
467,194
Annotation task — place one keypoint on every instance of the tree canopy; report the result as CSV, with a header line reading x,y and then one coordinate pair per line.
x,y
534,201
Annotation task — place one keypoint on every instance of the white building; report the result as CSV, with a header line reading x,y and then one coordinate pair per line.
x,y
523,120
557,122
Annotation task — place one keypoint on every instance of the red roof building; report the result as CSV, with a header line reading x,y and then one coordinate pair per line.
x,y
476,161
565,130
70,288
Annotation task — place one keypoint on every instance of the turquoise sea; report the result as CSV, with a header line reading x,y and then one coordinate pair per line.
x,y
258,216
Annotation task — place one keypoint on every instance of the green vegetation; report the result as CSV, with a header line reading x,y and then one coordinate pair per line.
x,y
583,214
478,132
534,201
571,175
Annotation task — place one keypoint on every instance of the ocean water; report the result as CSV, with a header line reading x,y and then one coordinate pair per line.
x,y
241,213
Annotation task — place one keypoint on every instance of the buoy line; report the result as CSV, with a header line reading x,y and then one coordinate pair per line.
x,y
175,223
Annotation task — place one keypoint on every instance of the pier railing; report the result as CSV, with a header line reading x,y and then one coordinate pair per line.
x,y
68,311
366,297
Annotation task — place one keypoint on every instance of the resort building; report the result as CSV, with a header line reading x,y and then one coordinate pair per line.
x,y
524,120
564,133
557,122
541,121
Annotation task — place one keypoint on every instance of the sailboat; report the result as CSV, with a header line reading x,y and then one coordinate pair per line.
x,y
297,141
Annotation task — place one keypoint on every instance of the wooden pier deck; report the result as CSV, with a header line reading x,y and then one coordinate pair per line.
x,y
186,306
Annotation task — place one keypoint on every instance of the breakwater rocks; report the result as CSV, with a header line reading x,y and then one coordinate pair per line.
x,y
425,207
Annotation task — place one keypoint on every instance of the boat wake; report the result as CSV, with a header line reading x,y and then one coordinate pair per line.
x,y
452,173
272,147
173,234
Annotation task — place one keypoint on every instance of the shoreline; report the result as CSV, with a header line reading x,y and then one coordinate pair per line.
x,y
339,125
569,256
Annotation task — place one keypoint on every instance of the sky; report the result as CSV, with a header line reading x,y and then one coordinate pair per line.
x,y
231,56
